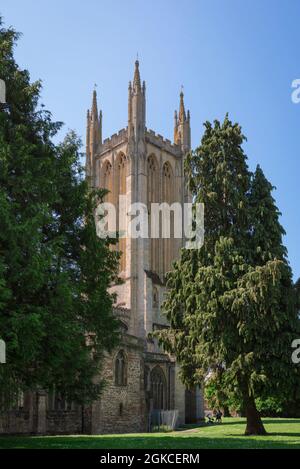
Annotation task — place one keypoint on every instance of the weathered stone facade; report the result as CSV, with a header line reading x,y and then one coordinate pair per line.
x,y
121,408
34,415
143,167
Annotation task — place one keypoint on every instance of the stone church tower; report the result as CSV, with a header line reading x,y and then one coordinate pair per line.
x,y
146,168
140,378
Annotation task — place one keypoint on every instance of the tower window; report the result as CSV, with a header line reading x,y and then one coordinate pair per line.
x,y
121,190
168,197
155,298
120,369
153,197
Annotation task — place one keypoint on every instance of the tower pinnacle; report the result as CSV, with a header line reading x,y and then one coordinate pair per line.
x,y
93,136
182,115
137,78
94,111
137,105
182,130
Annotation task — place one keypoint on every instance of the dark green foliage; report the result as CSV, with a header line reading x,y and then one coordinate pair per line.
x,y
232,304
265,220
55,311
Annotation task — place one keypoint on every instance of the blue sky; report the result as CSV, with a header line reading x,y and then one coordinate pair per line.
x,y
231,56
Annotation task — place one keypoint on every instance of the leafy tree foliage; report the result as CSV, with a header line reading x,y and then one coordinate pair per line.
x,y
55,311
231,305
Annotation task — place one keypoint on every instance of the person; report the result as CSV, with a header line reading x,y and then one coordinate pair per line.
x,y
219,416
210,418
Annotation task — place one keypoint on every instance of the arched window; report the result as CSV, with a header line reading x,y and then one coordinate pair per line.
x,y
120,369
158,389
121,190
108,181
155,298
168,197
122,161
147,378
153,197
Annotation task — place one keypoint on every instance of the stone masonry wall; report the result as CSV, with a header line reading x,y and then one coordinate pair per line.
x,y
15,422
121,409
34,419
64,422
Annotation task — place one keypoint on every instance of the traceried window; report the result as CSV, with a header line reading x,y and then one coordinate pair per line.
x,y
155,298
158,388
153,197
121,190
108,181
146,378
120,369
168,197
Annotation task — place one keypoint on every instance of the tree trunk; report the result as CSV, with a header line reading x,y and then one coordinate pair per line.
x,y
226,412
254,422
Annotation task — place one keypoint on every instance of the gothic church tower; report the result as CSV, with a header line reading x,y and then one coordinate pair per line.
x,y
146,168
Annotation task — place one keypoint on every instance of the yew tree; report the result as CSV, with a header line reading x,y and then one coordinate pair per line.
x,y
231,304
55,310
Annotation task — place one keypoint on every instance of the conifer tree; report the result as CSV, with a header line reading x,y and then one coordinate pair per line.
x,y
55,311
231,304
266,230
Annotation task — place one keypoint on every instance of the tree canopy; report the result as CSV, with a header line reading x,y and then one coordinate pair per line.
x,y
55,310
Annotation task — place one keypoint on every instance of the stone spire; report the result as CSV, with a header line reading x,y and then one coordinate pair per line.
x,y
100,127
95,124
136,106
182,116
182,129
87,152
94,111
175,126
93,136
137,78
129,105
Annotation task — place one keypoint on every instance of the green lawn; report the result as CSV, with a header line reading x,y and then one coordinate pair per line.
x,y
282,433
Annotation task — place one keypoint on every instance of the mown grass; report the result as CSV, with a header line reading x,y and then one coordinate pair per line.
x,y
282,433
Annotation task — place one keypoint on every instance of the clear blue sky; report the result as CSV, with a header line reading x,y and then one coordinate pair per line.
x,y
230,55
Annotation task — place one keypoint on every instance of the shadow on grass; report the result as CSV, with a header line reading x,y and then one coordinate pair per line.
x,y
290,421
292,435
191,436
161,442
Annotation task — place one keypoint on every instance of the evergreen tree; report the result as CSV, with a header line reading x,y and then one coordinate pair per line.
x,y
55,311
231,305
266,230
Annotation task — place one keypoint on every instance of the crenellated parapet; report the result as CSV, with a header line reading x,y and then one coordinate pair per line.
x,y
163,143
151,137
113,141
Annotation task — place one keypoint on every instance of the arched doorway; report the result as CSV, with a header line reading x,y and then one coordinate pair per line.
x,y
158,389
